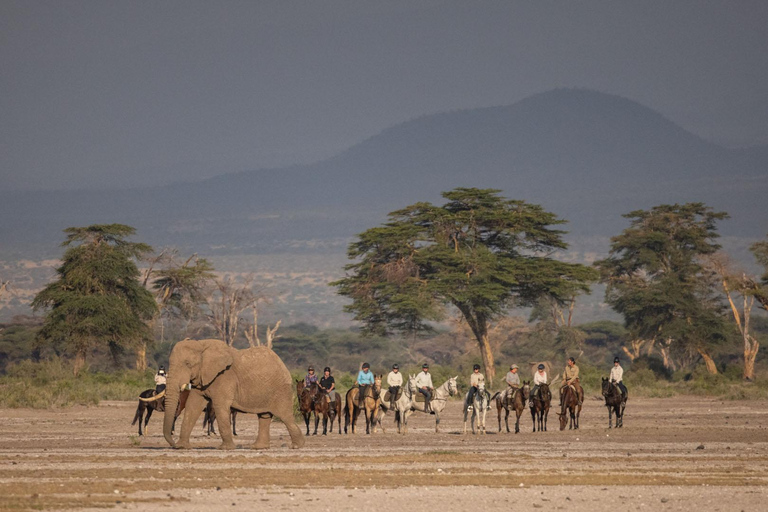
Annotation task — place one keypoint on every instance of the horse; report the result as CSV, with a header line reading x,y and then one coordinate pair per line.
x,y
149,401
210,417
540,409
406,404
331,411
371,404
569,408
615,401
306,397
479,409
512,400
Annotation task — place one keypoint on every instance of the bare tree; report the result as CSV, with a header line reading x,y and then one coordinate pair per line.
x,y
4,286
251,332
227,302
747,287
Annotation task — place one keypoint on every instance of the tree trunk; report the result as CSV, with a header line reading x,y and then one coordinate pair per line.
x,y
488,362
711,367
79,363
141,356
751,346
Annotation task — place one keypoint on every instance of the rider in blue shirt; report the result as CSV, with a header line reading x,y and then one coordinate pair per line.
x,y
364,379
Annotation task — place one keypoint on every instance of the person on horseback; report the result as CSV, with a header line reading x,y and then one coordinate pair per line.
x,y
364,379
475,380
394,381
310,377
513,379
327,383
617,373
160,380
571,378
539,378
424,383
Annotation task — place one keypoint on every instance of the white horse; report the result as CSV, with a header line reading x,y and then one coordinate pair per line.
x,y
406,404
479,409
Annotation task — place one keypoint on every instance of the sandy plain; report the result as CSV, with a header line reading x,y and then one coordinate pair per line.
x,y
683,453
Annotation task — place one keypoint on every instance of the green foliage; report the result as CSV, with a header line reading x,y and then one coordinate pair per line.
x,y
180,288
51,383
97,299
17,341
479,253
656,280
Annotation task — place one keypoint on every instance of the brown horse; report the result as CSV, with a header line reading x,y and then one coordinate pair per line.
x,y
569,408
512,401
149,402
371,404
210,417
306,397
330,411
540,409
615,401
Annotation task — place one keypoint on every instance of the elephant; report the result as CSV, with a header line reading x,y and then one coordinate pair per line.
x,y
253,380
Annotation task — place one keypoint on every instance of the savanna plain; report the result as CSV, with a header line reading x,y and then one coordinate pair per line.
x,y
680,453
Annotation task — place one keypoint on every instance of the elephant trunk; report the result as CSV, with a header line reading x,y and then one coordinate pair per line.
x,y
172,391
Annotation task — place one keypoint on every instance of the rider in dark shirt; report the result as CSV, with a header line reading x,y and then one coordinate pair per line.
x,y
328,384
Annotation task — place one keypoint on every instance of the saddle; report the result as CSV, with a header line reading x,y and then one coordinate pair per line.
x,y
398,394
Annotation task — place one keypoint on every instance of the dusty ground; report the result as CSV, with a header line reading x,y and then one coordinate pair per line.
x,y
673,454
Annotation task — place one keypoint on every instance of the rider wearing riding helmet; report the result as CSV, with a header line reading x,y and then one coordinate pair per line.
x,y
425,386
327,383
539,378
394,381
160,380
364,379
310,377
617,373
475,380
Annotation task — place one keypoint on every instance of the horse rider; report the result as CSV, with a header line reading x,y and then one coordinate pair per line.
x,y
364,379
539,378
513,380
310,377
327,383
394,381
475,380
571,378
617,373
425,386
160,380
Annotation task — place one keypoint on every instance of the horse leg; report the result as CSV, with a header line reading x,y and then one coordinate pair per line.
x,y
545,413
578,413
498,413
506,420
234,416
610,417
533,417
466,412
437,421
306,415
518,413
317,421
146,419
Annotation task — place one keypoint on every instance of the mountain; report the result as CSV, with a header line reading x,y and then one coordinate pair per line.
x,y
587,156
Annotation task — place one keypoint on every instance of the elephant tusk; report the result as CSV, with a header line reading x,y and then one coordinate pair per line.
x,y
154,398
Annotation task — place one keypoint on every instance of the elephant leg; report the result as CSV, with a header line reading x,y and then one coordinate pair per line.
x,y
194,408
284,411
225,428
262,438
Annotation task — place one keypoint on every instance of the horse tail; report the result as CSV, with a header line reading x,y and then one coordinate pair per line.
x,y
137,417
495,395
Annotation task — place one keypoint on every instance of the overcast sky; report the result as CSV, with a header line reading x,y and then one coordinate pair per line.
x,y
127,93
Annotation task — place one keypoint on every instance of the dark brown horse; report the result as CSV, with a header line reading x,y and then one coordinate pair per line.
x,y
149,402
371,404
540,409
569,409
615,401
306,396
330,411
512,401
210,417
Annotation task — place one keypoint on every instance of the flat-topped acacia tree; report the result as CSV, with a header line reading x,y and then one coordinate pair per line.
x,y
480,253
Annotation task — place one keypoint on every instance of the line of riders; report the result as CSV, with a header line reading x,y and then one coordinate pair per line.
x,y
365,378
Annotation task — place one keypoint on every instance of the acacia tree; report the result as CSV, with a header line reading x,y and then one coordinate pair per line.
x,y
480,253
97,299
656,279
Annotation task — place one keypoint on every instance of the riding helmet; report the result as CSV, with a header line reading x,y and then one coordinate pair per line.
x,y
425,365
476,367
616,360
366,365
311,369
541,367
161,370
327,369
395,367
514,367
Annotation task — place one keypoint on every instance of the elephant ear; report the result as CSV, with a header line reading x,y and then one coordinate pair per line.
x,y
216,358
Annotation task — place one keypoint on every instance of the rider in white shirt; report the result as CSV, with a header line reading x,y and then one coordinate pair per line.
x,y
394,381
424,383
539,378
617,373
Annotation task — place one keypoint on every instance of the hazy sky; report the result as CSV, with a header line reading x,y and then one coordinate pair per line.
x,y
114,93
